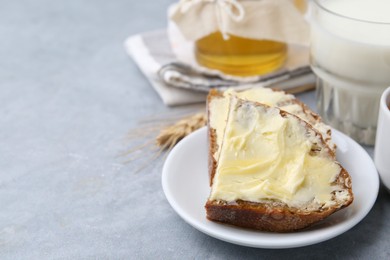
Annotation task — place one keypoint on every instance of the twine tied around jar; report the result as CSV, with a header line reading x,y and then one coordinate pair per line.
x,y
275,20
232,8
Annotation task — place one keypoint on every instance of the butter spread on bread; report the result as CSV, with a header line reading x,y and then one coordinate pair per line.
x,y
219,105
274,170
265,156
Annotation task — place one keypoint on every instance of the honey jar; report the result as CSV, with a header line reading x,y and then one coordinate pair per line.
x,y
242,56
241,37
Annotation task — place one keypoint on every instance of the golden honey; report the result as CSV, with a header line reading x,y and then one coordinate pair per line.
x,y
242,56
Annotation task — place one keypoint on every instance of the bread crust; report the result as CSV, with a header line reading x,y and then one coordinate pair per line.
x,y
261,216
273,216
212,137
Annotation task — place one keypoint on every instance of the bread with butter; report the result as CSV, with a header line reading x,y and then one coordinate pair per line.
x,y
218,105
274,171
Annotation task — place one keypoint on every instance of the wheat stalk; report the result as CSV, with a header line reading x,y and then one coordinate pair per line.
x,y
170,135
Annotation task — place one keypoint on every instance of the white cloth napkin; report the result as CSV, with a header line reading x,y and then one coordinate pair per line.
x,y
152,51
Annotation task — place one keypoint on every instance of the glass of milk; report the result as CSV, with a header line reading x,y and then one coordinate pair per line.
x,y
350,54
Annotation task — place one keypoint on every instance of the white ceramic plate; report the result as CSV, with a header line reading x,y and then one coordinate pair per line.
x,y
186,186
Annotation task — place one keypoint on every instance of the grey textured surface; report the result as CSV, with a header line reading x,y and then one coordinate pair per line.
x,y
68,97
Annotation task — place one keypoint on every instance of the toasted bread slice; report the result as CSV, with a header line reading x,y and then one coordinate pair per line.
x,y
217,109
275,172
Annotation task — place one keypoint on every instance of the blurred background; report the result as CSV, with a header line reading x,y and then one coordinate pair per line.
x,y
69,95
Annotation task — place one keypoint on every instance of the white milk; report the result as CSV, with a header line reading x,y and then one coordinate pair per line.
x,y
350,50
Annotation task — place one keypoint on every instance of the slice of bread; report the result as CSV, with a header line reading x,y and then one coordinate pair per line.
x,y
217,109
274,172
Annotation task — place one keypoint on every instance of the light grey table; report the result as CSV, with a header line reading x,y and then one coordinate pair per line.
x,y
68,96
